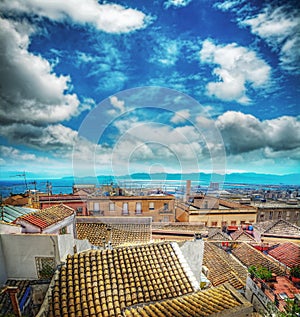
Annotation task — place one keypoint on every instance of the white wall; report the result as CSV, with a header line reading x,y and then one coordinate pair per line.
x,y
20,250
8,228
193,253
3,275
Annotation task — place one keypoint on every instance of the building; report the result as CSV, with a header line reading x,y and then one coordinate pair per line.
x,y
159,207
275,210
76,201
58,219
276,231
215,212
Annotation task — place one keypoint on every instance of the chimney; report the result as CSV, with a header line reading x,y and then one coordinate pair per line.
x,y
188,189
12,292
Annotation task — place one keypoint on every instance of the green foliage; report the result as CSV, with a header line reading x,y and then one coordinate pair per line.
x,y
292,309
260,272
295,271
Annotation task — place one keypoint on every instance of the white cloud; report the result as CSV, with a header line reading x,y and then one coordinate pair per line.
x,y
28,83
238,66
176,3
244,133
117,104
280,28
111,18
181,116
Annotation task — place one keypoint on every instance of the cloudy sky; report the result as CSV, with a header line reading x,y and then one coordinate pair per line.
x,y
92,87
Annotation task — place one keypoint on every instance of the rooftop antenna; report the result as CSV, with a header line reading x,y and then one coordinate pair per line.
x,y
25,181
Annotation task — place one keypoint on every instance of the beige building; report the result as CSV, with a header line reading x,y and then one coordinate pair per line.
x,y
275,210
159,207
215,212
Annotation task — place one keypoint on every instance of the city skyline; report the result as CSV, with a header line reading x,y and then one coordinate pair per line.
x,y
131,86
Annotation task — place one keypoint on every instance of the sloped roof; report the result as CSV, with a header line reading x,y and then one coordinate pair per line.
x,y
286,253
282,228
218,234
223,267
11,213
118,233
48,216
250,256
241,235
217,300
103,283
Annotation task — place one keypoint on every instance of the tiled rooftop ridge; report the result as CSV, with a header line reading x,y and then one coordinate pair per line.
x,y
250,256
48,216
203,303
222,267
102,283
120,233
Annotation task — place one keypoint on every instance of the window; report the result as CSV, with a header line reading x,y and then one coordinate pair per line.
x,y
205,204
111,206
166,206
96,206
151,205
125,209
214,223
224,223
138,208
63,230
45,268
271,215
233,223
279,214
243,222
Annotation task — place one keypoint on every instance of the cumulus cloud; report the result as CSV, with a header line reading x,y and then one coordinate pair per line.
x,y
56,137
111,18
243,133
29,86
280,28
181,116
118,105
238,66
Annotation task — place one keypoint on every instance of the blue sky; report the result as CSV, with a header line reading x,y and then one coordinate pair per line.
x,y
118,87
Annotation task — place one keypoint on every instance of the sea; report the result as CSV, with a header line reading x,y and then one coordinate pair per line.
x,y
232,182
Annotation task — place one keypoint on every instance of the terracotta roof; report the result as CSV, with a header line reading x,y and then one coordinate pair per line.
x,y
48,216
219,300
119,233
250,256
218,234
102,283
286,253
223,267
241,235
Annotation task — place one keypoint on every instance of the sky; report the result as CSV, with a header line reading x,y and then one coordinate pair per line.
x,y
177,86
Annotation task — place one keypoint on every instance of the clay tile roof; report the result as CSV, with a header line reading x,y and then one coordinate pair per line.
x,y
48,216
241,235
250,256
223,267
287,253
219,301
104,282
120,233
282,228
217,234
